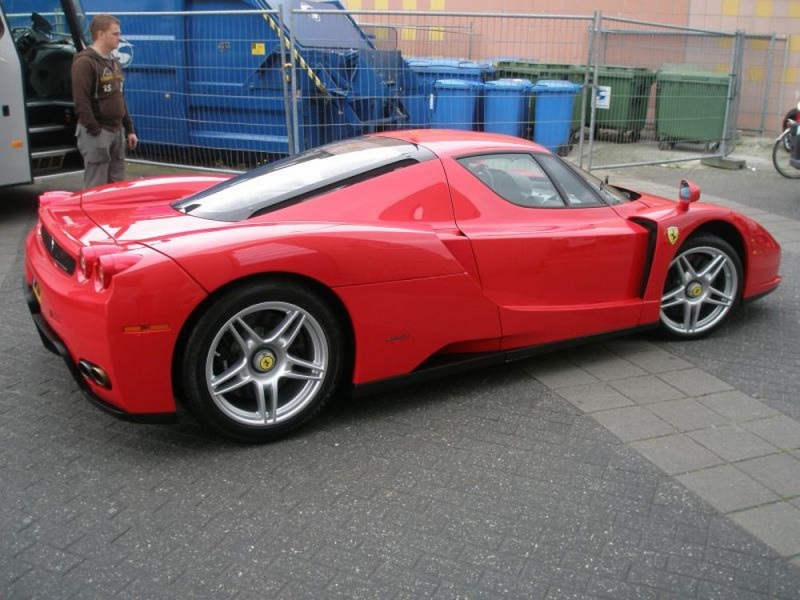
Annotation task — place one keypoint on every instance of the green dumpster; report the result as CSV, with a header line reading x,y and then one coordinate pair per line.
x,y
622,98
690,106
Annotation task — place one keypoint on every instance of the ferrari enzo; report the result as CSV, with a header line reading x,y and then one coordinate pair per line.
x,y
252,300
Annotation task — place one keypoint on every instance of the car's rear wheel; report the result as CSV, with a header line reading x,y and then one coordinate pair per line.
x,y
262,360
702,288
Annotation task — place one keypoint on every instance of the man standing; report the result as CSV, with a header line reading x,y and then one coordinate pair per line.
x,y
104,125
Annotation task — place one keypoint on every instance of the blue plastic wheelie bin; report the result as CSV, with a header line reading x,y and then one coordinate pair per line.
x,y
506,106
554,104
455,104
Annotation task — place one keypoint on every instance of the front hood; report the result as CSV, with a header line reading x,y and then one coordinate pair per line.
x,y
647,206
140,209
657,208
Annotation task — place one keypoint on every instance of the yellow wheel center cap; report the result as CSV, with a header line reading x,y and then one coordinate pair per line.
x,y
695,290
264,361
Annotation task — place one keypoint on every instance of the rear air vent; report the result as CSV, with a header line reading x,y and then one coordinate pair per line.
x,y
59,255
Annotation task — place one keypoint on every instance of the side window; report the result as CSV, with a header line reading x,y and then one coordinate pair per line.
x,y
517,178
579,195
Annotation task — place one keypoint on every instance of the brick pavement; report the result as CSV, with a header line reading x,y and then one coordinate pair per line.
x,y
562,477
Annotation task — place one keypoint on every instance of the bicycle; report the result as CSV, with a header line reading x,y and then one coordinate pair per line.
x,y
785,153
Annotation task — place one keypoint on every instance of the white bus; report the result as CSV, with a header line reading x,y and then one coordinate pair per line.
x,y
38,39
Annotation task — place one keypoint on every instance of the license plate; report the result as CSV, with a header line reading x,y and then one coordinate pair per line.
x,y
37,290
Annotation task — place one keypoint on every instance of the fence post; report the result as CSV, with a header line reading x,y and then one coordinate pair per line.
x,y
767,84
593,64
287,75
295,99
782,92
734,92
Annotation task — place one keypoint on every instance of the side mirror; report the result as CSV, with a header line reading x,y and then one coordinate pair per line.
x,y
687,194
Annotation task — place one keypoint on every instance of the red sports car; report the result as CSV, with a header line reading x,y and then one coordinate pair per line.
x,y
252,300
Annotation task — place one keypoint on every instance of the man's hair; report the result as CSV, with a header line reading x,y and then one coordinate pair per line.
x,y
102,23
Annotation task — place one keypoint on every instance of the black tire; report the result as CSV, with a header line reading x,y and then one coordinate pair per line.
x,y
263,359
787,142
787,122
780,158
702,288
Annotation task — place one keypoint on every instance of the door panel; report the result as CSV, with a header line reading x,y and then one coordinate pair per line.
x,y
555,273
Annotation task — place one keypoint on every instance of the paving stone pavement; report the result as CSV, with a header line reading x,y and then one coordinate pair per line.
x,y
631,469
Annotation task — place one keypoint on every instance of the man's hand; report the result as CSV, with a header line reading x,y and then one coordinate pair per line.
x,y
133,141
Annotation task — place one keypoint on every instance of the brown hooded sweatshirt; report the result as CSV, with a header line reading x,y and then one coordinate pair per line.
x,y
97,84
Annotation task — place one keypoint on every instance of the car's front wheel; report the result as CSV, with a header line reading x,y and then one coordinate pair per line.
x,y
262,360
702,288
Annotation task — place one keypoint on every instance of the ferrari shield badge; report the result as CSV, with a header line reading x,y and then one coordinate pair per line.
x,y
672,234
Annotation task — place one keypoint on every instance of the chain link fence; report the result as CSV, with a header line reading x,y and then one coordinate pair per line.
x,y
234,88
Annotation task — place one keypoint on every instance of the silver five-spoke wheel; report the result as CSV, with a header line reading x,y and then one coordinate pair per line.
x,y
702,288
266,363
263,359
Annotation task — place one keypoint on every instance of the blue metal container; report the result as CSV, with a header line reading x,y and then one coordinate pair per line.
x,y
221,81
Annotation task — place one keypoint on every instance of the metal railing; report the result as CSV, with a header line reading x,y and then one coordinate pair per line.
x,y
236,87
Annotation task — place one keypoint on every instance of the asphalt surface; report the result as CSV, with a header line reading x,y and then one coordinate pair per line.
x,y
634,469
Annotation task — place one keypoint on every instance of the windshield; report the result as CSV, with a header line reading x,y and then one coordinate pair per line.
x,y
611,194
299,177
